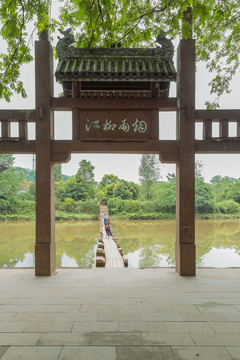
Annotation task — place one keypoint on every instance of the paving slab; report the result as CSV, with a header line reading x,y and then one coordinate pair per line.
x,y
14,327
3,349
200,352
88,353
187,327
6,316
218,308
116,339
119,300
79,316
167,339
32,353
214,339
48,326
25,308
64,339
141,326
119,316
234,352
144,352
229,327
101,326
19,316
204,317
18,339
165,316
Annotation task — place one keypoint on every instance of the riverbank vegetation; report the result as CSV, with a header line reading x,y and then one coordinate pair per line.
x,y
78,197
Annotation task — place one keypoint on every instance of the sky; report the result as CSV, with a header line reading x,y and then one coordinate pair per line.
x,y
126,166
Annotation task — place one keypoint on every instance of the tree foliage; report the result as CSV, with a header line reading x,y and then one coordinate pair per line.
x,y
131,23
112,187
6,161
149,174
85,180
58,172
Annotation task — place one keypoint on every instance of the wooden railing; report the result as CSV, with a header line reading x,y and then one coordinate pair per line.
x,y
223,118
19,143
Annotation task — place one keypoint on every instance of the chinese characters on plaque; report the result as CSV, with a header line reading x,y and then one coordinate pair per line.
x,y
108,125
128,125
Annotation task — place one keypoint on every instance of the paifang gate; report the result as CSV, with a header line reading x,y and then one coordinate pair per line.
x,y
115,96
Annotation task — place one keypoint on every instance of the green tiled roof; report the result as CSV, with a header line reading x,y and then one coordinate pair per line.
x,y
117,64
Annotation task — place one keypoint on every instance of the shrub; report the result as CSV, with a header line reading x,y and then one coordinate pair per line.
x,y
229,207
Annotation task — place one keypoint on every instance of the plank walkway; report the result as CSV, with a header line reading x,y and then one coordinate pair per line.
x,y
112,255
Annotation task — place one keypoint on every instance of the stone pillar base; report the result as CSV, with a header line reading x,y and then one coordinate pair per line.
x,y
45,259
185,258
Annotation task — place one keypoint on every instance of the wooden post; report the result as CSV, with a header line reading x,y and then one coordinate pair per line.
x,y
75,112
45,254
185,205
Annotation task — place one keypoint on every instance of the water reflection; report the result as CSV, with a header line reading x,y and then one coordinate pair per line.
x,y
146,243
75,244
152,243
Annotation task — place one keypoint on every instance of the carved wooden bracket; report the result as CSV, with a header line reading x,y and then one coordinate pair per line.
x,y
61,157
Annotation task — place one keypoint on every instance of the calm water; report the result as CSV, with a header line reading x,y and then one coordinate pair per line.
x,y
146,243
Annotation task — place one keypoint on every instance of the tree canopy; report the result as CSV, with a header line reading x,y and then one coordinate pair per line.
x,y
216,27
149,174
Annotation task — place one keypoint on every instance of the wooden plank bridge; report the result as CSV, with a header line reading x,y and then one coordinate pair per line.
x,y
113,258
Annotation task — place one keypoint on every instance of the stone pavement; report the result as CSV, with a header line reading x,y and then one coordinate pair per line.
x,y
120,314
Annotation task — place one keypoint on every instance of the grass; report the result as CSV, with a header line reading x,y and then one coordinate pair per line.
x,y
63,216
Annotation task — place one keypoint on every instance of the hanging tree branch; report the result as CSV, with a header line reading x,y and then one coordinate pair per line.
x,y
139,18
20,39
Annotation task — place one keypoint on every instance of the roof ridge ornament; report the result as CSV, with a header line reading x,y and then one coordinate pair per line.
x,y
167,49
64,50
62,47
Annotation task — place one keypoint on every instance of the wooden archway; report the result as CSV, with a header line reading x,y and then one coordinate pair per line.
x,y
180,151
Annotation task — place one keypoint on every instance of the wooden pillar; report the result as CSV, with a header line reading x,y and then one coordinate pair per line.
x,y
185,173
75,113
45,254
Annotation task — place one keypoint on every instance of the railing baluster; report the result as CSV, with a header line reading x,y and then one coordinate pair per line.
x,y
238,128
23,130
207,129
6,129
223,128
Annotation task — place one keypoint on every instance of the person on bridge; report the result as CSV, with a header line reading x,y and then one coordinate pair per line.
x,y
105,219
108,228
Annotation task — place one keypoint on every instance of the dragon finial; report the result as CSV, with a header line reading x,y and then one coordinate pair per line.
x,y
65,42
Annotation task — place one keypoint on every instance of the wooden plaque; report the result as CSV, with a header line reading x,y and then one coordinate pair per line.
x,y
119,125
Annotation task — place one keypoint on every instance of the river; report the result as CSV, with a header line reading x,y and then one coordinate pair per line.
x,y
145,243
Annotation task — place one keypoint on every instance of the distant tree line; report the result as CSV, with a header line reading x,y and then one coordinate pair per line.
x,y
78,196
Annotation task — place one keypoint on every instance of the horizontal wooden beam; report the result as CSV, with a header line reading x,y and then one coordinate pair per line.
x,y
217,115
117,147
15,115
67,104
168,149
218,146
16,146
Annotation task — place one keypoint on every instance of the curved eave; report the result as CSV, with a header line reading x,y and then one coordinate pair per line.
x,y
113,77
